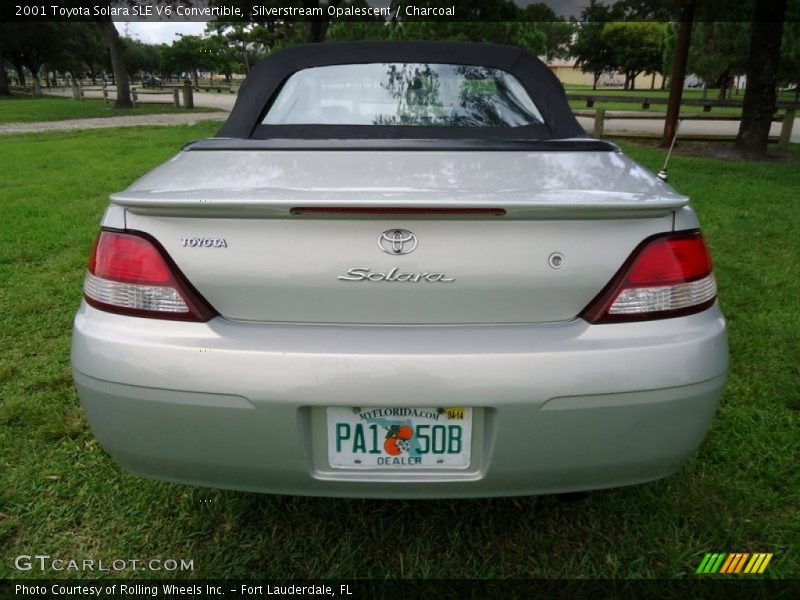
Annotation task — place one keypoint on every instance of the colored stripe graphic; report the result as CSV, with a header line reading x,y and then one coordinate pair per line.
x,y
740,565
724,563
727,565
767,558
711,562
735,565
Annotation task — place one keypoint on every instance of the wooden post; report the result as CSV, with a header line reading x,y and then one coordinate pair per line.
x,y
188,94
786,130
599,123
80,91
176,97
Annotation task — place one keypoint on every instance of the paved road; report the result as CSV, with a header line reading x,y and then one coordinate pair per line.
x,y
225,101
128,121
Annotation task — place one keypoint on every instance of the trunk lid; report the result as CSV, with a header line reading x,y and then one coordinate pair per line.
x,y
225,218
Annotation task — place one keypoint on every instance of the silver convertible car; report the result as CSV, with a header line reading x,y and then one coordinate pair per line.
x,y
401,269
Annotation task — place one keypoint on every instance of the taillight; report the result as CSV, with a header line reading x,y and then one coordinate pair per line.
x,y
130,273
666,276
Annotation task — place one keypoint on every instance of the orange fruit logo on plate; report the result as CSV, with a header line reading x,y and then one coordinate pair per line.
x,y
397,439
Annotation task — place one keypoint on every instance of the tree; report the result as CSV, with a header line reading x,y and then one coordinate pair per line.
x,y
85,51
592,52
315,29
31,45
5,31
789,70
678,73
647,10
219,56
135,56
190,53
494,21
5,90
557,31
762,77
237,36
366,28
636,47
116,49
719,52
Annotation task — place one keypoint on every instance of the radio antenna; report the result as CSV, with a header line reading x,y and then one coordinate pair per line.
x,y
663,174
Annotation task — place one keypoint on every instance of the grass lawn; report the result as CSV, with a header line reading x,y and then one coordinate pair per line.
x,y
24,109
61,495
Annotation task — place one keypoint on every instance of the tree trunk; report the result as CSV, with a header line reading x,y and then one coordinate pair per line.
x,y
316,30
117,52
797,92
723,85
37,84
653,81
633,80
663,82
595,78
4,89
20,74
678,73
194,78
317,27
762,77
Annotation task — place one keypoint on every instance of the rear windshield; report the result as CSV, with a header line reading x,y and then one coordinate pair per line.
x,y
403,94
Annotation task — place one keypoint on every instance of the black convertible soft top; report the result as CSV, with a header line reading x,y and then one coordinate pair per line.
x,y
266,78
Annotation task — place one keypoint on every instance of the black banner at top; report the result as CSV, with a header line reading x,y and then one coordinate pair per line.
x,y
265,11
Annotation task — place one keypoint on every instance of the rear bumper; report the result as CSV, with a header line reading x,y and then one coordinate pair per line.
x,y
558,408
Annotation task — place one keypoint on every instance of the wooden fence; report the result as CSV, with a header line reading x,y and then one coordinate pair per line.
x,y
601,115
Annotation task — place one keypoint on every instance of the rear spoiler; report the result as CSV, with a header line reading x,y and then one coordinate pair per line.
x,y
400,144
283,203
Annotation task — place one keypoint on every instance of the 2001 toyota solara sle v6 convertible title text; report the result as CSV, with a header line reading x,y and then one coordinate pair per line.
x,y
400,270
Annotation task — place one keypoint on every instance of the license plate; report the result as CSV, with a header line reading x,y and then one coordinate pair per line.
x,y
399,438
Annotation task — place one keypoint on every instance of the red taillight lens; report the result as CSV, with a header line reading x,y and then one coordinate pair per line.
x,y
666,276
671,260
130,273
129,259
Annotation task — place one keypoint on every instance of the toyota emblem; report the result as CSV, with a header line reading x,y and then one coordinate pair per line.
x,y
397,241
